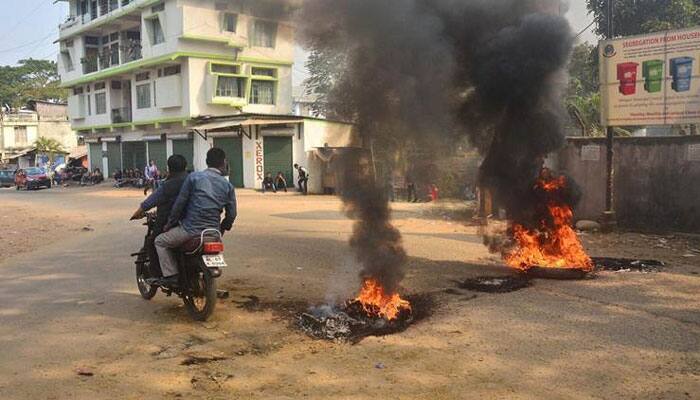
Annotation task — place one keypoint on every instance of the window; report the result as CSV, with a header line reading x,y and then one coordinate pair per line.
x,y
263,72
262,92
264,33
77,90
225,69
156,31
20,135
143,76
143,96
99,86
100,103
67,60
171,70
230,22
229,86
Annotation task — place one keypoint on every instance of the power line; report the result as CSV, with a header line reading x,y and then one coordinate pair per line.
x,y
24,19
29,43
585,29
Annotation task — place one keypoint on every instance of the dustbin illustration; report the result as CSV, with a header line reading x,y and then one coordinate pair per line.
x,y
653,71
627,75
681,73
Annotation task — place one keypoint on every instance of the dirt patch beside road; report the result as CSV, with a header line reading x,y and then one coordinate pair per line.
x,y
27,226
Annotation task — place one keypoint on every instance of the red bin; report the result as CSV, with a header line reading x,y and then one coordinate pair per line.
x,y
627,75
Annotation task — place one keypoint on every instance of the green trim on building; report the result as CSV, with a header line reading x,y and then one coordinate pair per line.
x,y
213,39
264,61
133,125
134,65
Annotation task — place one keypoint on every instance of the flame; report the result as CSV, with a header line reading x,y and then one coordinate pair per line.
x,y
555,243
376,302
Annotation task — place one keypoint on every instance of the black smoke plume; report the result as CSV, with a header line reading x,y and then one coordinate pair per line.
x,y
428,72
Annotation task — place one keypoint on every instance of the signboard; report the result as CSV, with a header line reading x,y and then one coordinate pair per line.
x,y
694,152
651,79
590,153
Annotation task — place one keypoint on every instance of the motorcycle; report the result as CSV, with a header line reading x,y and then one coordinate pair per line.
x,y
200,261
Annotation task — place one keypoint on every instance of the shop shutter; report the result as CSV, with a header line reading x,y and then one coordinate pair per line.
x,y
278,157
134,155
95,156
233,147
114,158
185,148
157,152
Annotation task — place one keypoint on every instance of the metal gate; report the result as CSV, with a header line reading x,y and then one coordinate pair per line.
x,y
185,148
134,155
233,146
278,157
158,152
95,156
114,158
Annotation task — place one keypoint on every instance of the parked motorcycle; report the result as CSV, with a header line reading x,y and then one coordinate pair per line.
x,y
199,261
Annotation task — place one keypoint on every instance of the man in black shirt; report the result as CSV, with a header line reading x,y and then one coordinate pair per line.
x,y
163,198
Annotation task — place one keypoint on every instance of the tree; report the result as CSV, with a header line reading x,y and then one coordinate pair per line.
x,y
30,79
582,94
634,17
325,71
49,146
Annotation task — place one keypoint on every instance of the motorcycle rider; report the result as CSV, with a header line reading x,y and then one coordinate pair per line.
x,y
163,198
203,197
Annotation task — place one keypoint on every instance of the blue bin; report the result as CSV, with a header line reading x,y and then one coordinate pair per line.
x,y
682,73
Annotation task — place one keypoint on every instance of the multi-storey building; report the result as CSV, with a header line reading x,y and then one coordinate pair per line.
x,y
142,74
19,130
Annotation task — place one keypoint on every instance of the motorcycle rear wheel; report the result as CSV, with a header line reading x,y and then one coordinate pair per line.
x,y
201,303
147,291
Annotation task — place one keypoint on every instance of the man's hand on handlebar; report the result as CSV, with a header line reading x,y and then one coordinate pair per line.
x,y
139,214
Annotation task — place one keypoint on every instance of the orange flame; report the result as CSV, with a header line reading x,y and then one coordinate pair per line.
x,y
376,302
554,244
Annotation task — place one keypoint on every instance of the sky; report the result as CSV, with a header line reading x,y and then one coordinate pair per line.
x,y
31,26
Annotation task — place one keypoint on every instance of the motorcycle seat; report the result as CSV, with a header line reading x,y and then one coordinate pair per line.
x,y
192,244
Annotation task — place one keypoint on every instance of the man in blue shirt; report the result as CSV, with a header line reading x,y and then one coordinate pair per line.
x,y
203,197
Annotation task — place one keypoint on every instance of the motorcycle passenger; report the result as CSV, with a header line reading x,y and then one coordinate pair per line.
x,y
163,198
203,197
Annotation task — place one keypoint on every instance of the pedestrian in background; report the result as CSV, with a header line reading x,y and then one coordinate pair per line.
x,y
303,179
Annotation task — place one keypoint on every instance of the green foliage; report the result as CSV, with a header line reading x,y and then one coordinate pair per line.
x,y
49,146
325,71
30,79
634,17
582,94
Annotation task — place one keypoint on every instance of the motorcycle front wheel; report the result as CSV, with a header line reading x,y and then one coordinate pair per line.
x,y
147,290
201,300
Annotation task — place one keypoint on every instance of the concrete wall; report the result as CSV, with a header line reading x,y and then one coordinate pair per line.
x,y
657,180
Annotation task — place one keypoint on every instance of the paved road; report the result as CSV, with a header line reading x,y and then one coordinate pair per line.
x,y
72,306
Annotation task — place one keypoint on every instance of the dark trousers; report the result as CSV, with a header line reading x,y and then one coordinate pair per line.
x,y
303,185
154,263
269,186
412,193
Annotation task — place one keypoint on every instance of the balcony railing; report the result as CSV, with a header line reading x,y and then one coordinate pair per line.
x,y
90,64
120,115
130,51
103,7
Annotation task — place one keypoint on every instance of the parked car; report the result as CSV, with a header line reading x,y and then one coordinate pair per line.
x,y
32,178
7,178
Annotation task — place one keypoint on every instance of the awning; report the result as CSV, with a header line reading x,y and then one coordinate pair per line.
x,y
223,125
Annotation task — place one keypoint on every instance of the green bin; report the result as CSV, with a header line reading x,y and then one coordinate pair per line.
x,y
653,72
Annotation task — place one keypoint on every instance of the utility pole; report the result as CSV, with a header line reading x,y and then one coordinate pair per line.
x,y
609,219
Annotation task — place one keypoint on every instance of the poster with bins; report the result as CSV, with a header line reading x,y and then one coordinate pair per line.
x,y
651,79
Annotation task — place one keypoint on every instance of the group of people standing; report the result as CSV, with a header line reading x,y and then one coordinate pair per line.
x,y
279,182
